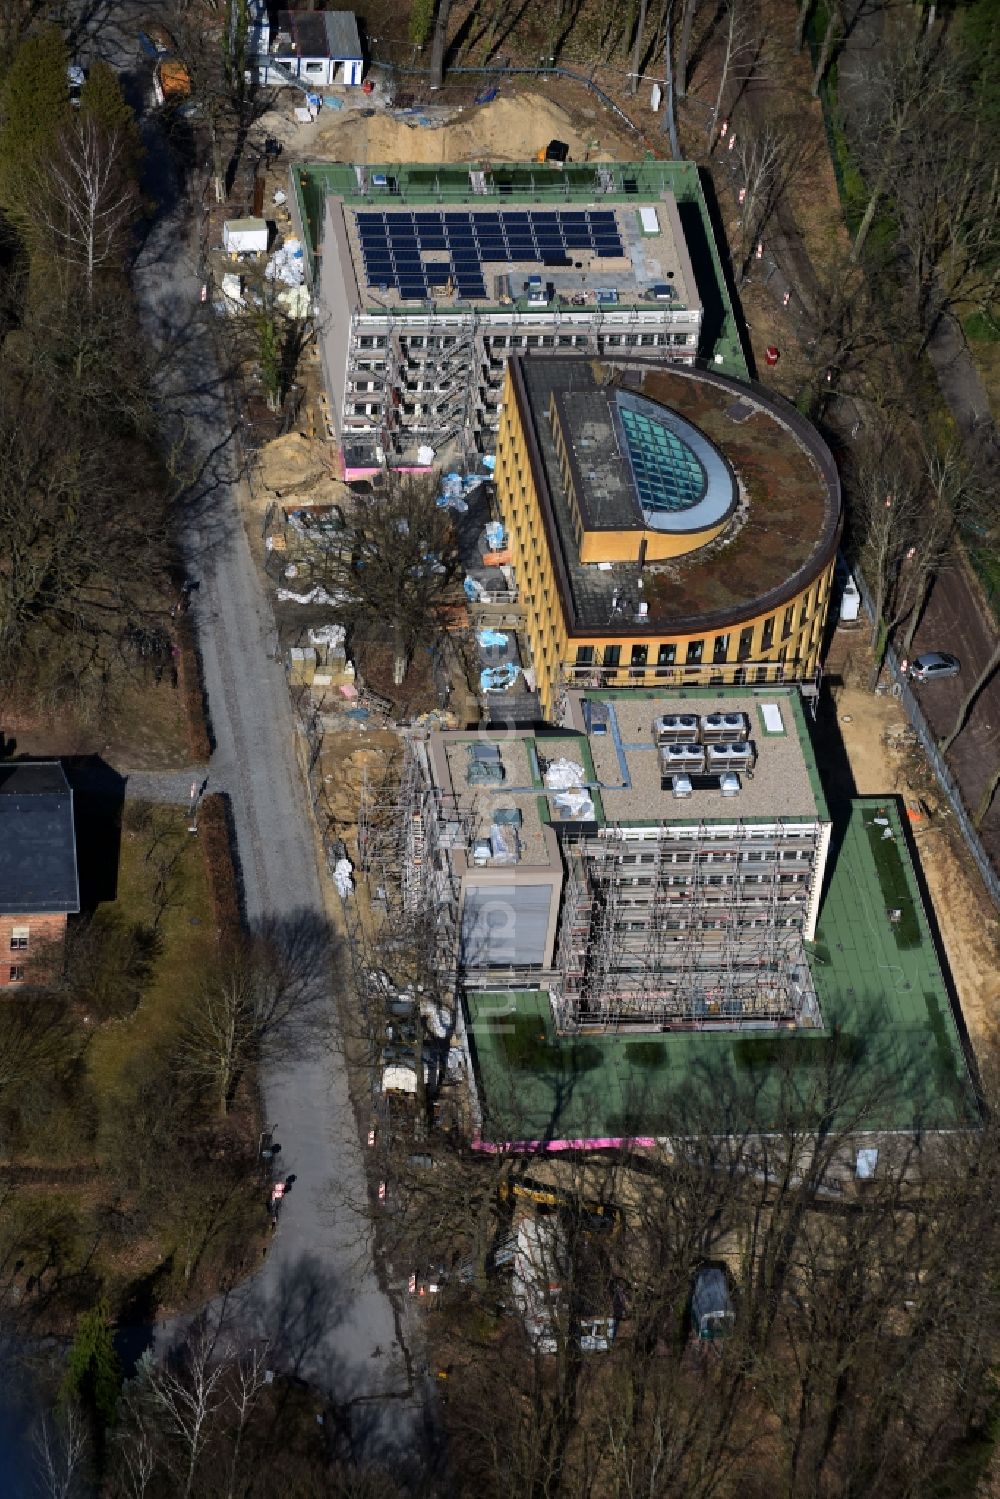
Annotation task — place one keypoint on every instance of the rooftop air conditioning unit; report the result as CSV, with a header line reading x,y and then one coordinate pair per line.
x,y
729,783
730,756
717,728
675,728
689,757
680,785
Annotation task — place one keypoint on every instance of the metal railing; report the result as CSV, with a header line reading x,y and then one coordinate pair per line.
x,y
945,779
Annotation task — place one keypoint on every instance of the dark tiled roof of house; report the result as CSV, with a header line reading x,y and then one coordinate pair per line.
x,y
38,872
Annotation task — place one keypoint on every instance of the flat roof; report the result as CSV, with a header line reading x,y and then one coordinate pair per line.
x,y
621,769
784,533
331,33
623,187
785,781
533,256
38,871
888,1057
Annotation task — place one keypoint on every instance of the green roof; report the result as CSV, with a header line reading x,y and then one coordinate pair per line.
x,y
888,1058
632,183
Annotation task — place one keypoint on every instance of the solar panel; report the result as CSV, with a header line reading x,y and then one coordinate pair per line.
x,y
486,220
427,220
556,260
370,218
516,220
544,218
453,219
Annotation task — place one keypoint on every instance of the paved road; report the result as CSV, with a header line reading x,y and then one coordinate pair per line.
x,y
317,1297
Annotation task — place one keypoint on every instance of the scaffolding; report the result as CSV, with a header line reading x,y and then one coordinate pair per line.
x,y
692,926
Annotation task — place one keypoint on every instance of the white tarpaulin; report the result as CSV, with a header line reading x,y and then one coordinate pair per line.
x,y
575,804
342,877
329,635
315,595
564,775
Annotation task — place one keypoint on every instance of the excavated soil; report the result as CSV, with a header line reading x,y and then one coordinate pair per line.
x,y
508,129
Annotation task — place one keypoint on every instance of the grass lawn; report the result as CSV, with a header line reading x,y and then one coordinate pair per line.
x,y
162,881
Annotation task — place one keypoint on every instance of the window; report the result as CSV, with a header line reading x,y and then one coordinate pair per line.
x,y
720,650
767,634
666,655
17,973
612,655
315,67
640,654
695,651
745,646
19,939
585,655
786,624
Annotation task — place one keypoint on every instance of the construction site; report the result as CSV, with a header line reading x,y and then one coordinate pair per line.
x,y
544,954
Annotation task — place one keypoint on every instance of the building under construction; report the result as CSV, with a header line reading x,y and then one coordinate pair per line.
x,y
428,278
656,863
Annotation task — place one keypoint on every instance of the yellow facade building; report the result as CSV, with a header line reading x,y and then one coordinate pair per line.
x,y
666,527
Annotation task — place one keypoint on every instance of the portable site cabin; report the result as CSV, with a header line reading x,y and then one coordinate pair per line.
x,y
315,48
712,1314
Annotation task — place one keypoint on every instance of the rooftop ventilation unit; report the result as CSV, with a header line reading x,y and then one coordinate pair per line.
x,y
729,783
676,728
730,756
690,757
680,785
718,728
596,718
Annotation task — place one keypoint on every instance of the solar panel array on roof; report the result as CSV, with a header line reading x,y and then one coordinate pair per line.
x,y
391,244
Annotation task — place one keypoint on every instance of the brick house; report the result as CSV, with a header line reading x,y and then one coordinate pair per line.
x,y
39,883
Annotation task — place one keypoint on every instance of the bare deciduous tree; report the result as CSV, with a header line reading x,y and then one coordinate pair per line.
x,y
267,989
183,1398
401,568
85,201
62,1454
739,47
887,504
908,85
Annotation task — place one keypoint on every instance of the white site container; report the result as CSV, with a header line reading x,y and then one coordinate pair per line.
x,y
244,237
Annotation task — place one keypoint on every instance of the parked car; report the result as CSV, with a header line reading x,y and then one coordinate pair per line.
x,y
712,1314
934,664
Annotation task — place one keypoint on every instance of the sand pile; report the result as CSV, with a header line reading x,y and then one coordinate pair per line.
x,y
508,129
300,468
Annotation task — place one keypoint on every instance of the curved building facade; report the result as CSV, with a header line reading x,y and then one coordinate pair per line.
x,y
667,527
